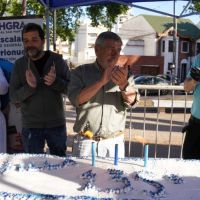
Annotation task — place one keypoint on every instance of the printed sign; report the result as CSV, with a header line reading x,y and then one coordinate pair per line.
x,y
11,46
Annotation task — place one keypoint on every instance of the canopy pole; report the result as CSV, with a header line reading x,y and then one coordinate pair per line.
x,y
186,7
152,10
47,26
54,30
174,43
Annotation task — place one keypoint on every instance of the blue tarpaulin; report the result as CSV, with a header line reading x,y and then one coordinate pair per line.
x,y
51,5
54,4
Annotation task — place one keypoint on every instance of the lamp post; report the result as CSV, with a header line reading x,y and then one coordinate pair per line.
x,y
172,67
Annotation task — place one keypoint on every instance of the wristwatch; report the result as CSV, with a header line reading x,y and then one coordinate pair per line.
x,y
125,88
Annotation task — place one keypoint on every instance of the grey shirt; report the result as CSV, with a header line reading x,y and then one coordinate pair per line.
x,y
106,111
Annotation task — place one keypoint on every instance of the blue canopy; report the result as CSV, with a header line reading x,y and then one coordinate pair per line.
x,y
54,4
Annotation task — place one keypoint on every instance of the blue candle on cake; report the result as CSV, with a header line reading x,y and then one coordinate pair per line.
x,y
116,155
93,153
146,154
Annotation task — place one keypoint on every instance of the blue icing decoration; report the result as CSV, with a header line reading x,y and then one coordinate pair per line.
x,y
175,179
47,197
160,189
33,167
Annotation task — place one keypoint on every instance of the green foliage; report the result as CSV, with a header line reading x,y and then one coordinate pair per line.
x,y
105,15
4,4
67,20
14,8
34,8
195,6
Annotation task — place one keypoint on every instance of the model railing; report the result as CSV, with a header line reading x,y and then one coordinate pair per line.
x,y
155,110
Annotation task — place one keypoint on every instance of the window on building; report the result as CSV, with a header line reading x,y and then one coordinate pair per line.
x,y
183,71
184,46
170,66
92,34
91,39
90,45
132,42
198,48
170,46
163,46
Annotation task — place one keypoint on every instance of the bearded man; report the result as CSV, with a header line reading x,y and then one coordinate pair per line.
x,y
38,81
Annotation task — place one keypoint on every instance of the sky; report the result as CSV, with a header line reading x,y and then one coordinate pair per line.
x,y
165,7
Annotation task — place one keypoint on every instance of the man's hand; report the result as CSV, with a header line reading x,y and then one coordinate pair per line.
x,y
106,75
51,76
30,78
119,76
195,73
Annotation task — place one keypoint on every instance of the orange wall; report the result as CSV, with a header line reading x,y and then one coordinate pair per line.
x,y
136,63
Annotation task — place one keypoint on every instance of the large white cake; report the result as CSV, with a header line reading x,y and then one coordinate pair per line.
x,y
24,176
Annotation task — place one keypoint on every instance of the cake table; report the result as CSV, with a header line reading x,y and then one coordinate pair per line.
x,y
29,176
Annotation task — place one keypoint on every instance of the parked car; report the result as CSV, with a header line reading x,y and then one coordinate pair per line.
x,y
182,91
169,78
151,80
137,75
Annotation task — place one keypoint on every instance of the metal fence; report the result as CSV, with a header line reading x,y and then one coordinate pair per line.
x,y
176,101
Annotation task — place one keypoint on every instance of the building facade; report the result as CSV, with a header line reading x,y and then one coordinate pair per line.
x,y
146,37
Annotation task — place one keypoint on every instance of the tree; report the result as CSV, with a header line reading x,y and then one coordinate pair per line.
x,y
68,19
4,4
195,6
23,7
105,14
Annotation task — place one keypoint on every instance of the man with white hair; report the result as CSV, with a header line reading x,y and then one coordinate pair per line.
x,y
101,92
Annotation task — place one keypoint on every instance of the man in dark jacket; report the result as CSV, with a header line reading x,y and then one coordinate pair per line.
x,y
37,83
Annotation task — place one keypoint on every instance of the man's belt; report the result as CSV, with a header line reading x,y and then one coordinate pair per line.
x,y
104,137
